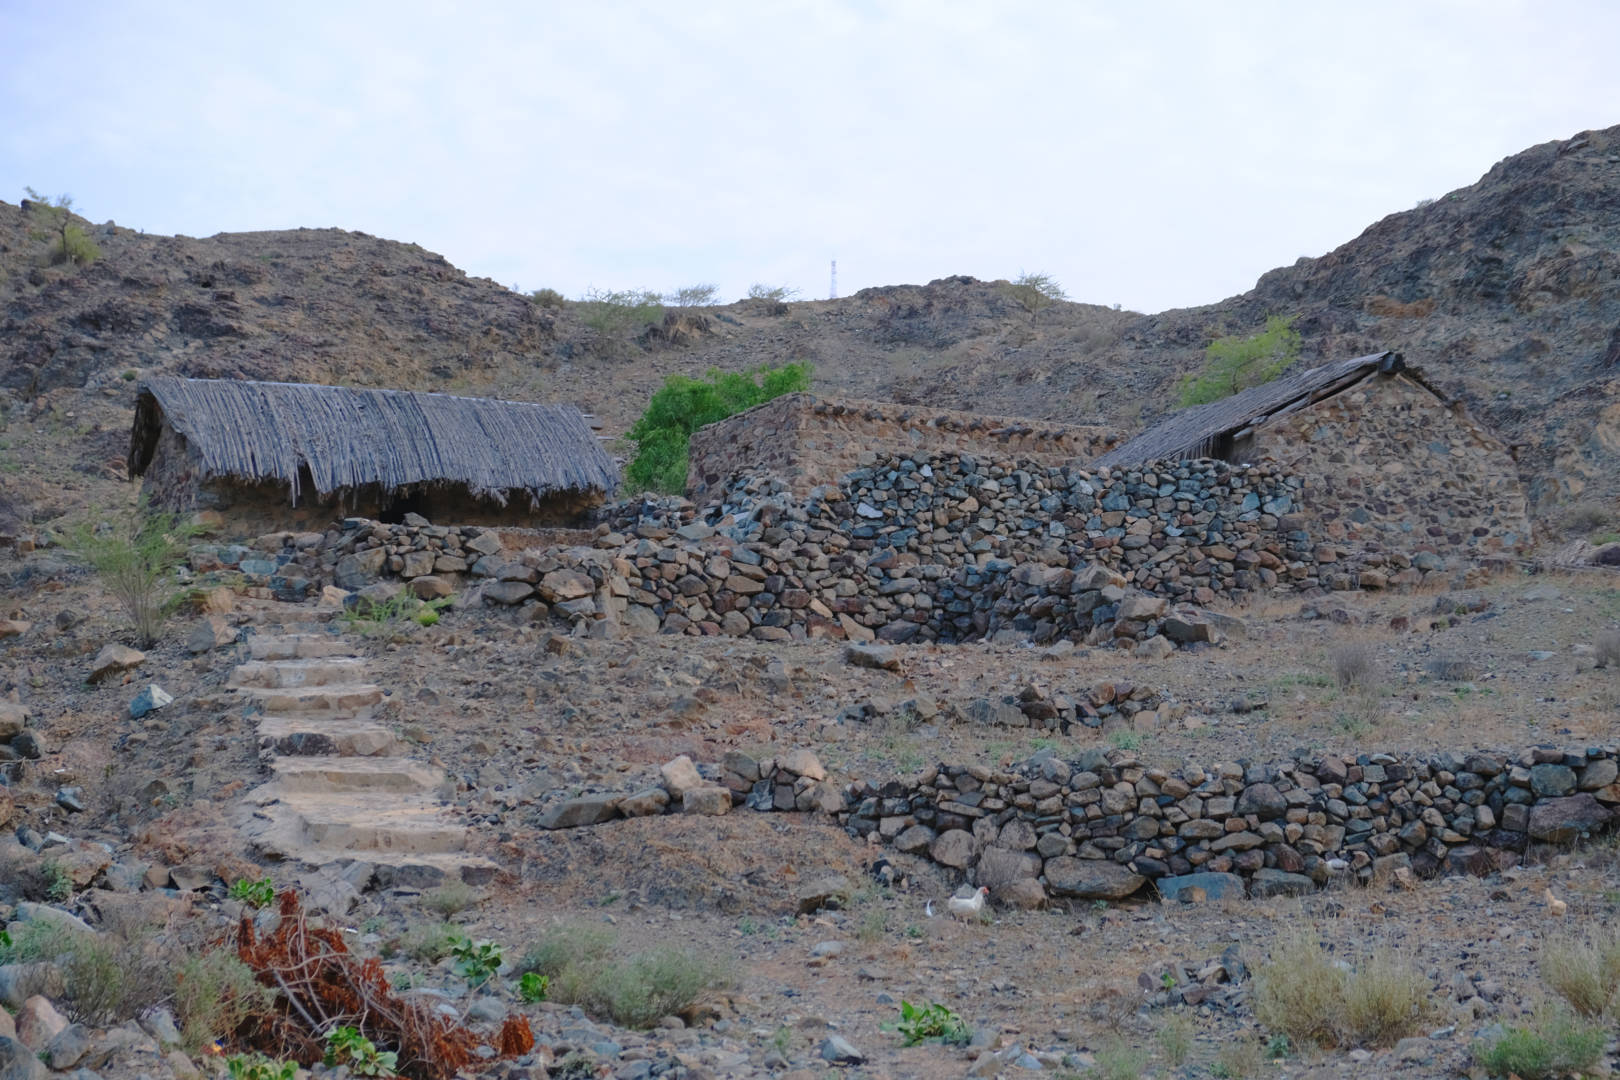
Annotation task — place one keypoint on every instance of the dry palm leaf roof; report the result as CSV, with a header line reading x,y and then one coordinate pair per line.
x,y
348,438
1193,432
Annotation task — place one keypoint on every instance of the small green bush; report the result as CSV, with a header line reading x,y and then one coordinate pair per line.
x,y
346,1046
54,218
638,991
532,987
106,977
476,961
1557,1044
451,899
259,1067
255,894
426,943
135,554
932,1023
566,947
214,992
547,298
682,405
1117,1061
701,295
776,294
1233,363
620,315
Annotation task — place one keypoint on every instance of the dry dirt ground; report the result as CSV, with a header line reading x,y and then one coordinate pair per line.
x,y
517,714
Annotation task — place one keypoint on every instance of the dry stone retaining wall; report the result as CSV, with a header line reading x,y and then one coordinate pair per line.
x,y
804,440
1103,826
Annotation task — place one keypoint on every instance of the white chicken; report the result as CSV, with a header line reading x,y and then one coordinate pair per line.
x,y
967,907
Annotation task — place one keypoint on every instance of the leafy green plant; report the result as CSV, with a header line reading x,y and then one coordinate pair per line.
x,y
346,1046
532,986
682,405
259,1067
255,894
476,961
1555,1044
932,1023
1124,739
1033,292
69,242
135,553
1237,363
402,605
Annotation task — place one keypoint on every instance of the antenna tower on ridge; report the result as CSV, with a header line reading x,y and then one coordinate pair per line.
x,y
832,294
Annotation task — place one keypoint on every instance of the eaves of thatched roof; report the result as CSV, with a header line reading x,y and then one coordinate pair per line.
x,y
386,439
1194,432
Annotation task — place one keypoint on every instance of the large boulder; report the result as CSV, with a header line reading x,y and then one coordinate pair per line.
x,y
680,776
357,570
114,659
586,810
1200,886
17,1062
13,718
1091,879
1562,821
953,847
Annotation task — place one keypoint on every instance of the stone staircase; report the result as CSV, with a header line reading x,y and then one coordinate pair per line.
x,y
341,787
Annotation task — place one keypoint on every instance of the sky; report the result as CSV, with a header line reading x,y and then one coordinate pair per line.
x,y
1154,155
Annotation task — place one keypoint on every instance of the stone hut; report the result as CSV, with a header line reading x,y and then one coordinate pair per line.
x,y
294,456
1383,457
806,441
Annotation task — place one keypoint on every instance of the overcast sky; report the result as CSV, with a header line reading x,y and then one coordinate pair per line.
x,y
1154,154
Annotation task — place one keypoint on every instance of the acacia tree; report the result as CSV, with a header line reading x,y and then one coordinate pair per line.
x,y
1032,292
1237,363
54,218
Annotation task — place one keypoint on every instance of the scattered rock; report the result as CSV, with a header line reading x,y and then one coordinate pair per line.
x,y
680,776
706,801
877,657
211,633
17,1062
38,1023
835,1050
114,659
1091,879
831,892
13,718
153,698
586,810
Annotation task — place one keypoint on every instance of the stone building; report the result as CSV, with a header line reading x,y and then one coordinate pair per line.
x,y
1382,456
291,456
806,440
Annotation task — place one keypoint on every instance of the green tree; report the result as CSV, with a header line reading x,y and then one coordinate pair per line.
x,y
619,315
1032,292
54,221
700,295
1237,363
682,405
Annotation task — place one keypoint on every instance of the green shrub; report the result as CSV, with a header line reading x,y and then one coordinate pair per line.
x,y
214,992
135,553
259,1067
932,1023
682,405
451,899
565,947
476,961
106,978
1233,363
1032,292
620,315
426,943
532,987
54,218
255,894
1117,1061
1556,1044
547,298
775,294
701,295
639,990
346,1046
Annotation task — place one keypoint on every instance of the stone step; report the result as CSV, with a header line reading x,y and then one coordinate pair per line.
x,y
290,674
297,646
330,775
303,736
330,698
413,825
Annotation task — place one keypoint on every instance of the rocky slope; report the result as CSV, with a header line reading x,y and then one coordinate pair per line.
x,y
1506,293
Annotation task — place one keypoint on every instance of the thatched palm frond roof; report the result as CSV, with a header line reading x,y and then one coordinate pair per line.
x,y
390,439
1193,432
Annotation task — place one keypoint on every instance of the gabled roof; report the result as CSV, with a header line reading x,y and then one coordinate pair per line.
x,y
1193,432
347,438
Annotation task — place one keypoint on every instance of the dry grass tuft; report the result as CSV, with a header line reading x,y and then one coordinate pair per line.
x,y
1584,971
1307,996
1354,665
1607,648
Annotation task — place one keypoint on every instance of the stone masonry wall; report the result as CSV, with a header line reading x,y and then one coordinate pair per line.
x,y
805,441
1388,462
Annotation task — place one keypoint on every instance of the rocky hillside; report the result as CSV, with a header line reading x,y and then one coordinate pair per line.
x,y
1506,293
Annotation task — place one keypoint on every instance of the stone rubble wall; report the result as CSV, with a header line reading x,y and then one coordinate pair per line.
x,y
1388,462
909,547
805,440
1105,825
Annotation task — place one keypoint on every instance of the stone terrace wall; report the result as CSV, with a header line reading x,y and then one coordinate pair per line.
x,y
1105,825
1388,462
804,441
932,547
